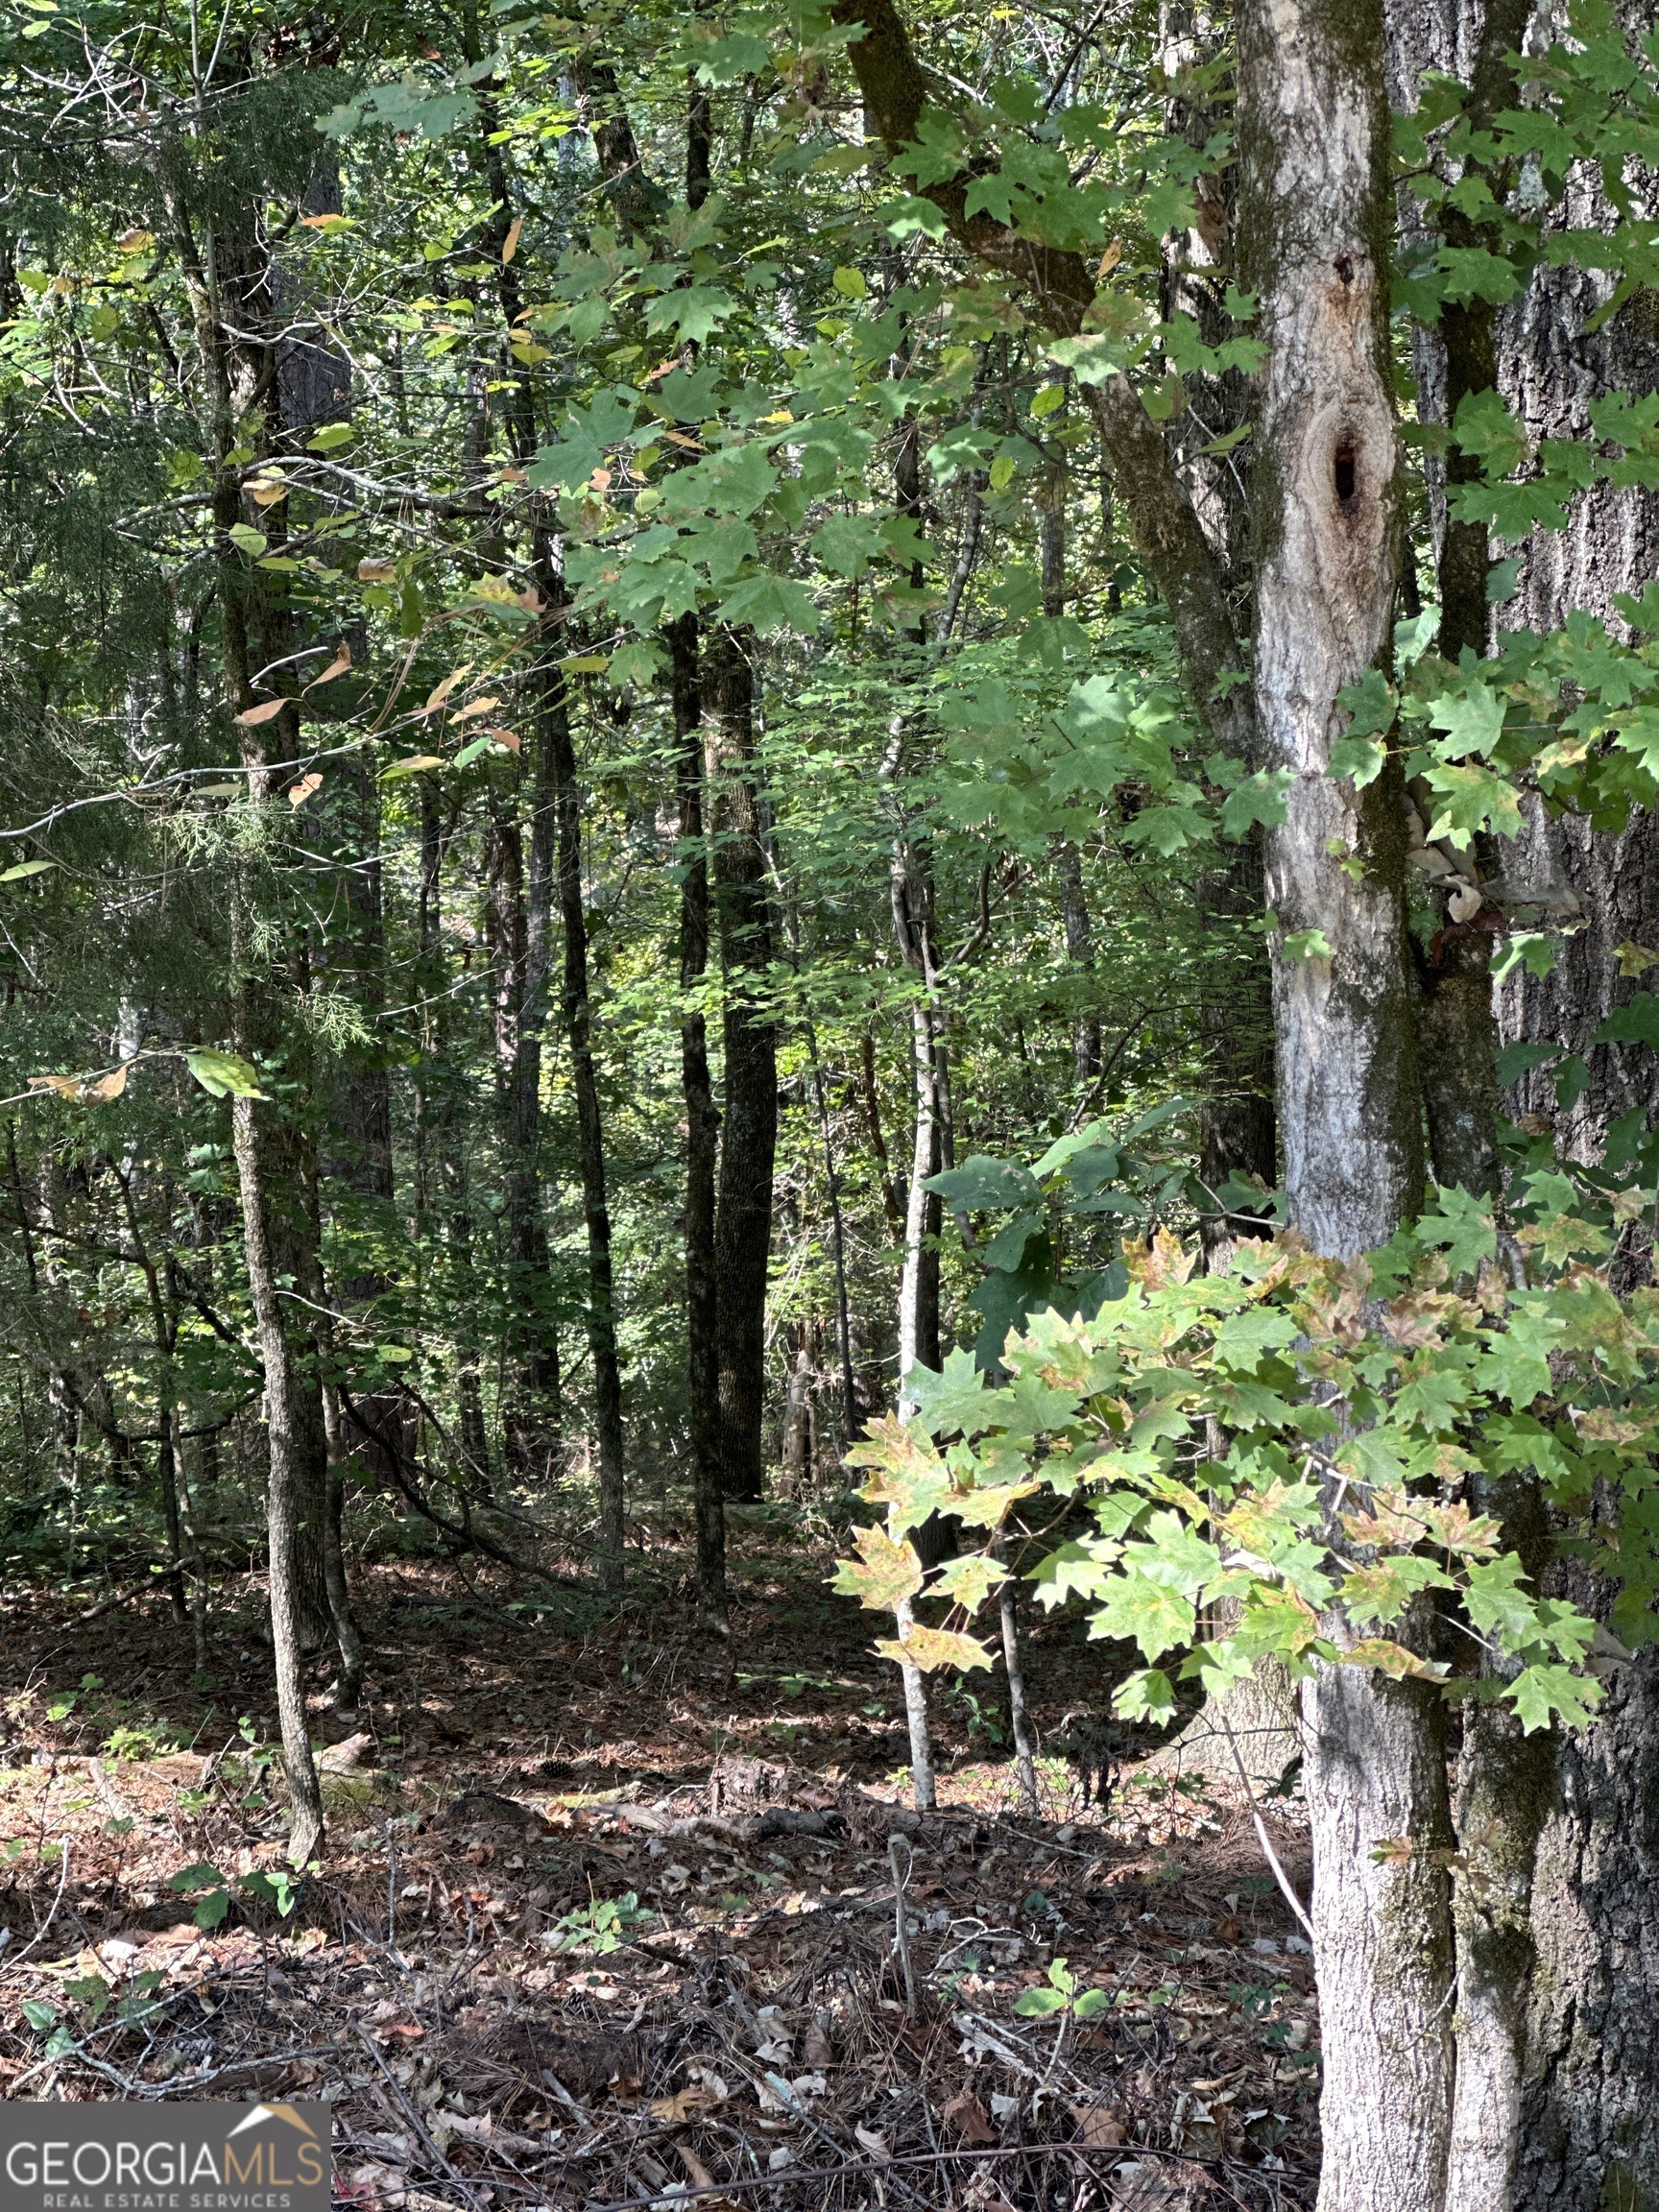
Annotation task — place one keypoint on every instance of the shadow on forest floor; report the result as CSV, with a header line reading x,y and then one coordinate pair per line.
x,y
608,1915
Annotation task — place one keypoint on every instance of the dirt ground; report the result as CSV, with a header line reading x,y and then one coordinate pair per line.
x,y
611,1918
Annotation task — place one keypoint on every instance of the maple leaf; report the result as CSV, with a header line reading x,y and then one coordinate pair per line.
x,y
970,1580
1392,1659
929,1649
883,1575
1537,1693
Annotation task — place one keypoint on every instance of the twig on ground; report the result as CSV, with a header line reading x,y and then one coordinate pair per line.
x,y
900,1928
1262,1836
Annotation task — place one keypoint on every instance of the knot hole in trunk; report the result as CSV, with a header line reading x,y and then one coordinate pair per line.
x,y
1344,477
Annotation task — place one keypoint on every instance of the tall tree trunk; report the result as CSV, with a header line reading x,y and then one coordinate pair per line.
x,y
1588,2090
295,1499
567,800
529,1413
749,1131
702,1136
1314,216
556,856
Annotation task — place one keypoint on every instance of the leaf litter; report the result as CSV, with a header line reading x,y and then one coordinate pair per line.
x,y
613,1922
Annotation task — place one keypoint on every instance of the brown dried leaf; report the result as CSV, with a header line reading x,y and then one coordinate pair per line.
x,y
1097,2127
684,2104
967,2114
816,2047
510,244
267,710
337,666
299,793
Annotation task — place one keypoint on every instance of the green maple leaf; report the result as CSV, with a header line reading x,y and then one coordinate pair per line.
x,y
1497,1601
1635,1024
1260,798
1462,1225
956,1399
1138,1610
1538,1693
769,603
694,311
1147,1694
1073,1571
992,194
1472,799
1473,720
968,1581
1516,1367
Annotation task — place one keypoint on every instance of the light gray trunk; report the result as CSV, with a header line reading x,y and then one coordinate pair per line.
x,y
286,1507
1314,218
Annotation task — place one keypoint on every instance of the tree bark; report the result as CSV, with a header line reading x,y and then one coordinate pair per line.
x,y
749,1131
294,1506
1589,2056
702,1137
1315,218
567,800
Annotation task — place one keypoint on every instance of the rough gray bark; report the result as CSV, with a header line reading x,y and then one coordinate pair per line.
x,y
1315,218
1589,2100
1315,221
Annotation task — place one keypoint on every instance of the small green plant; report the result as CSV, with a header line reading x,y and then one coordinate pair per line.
x,y
277,1886
598,1928
1062,1996
66,1700
982,1721
147,1740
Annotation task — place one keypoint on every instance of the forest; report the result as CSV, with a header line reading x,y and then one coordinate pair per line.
x,y
828,897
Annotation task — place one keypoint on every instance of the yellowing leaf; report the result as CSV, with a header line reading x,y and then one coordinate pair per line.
x,y
222,1074
109,1086
474,708
416,764
1109,260
375,571
266,711
932,1647
882,1574
266,491
510,244
134,241
1392,1659
66,1086
440,692
299,793
1634,959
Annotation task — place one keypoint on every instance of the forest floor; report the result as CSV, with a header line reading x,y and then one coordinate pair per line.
x,y
609,1916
